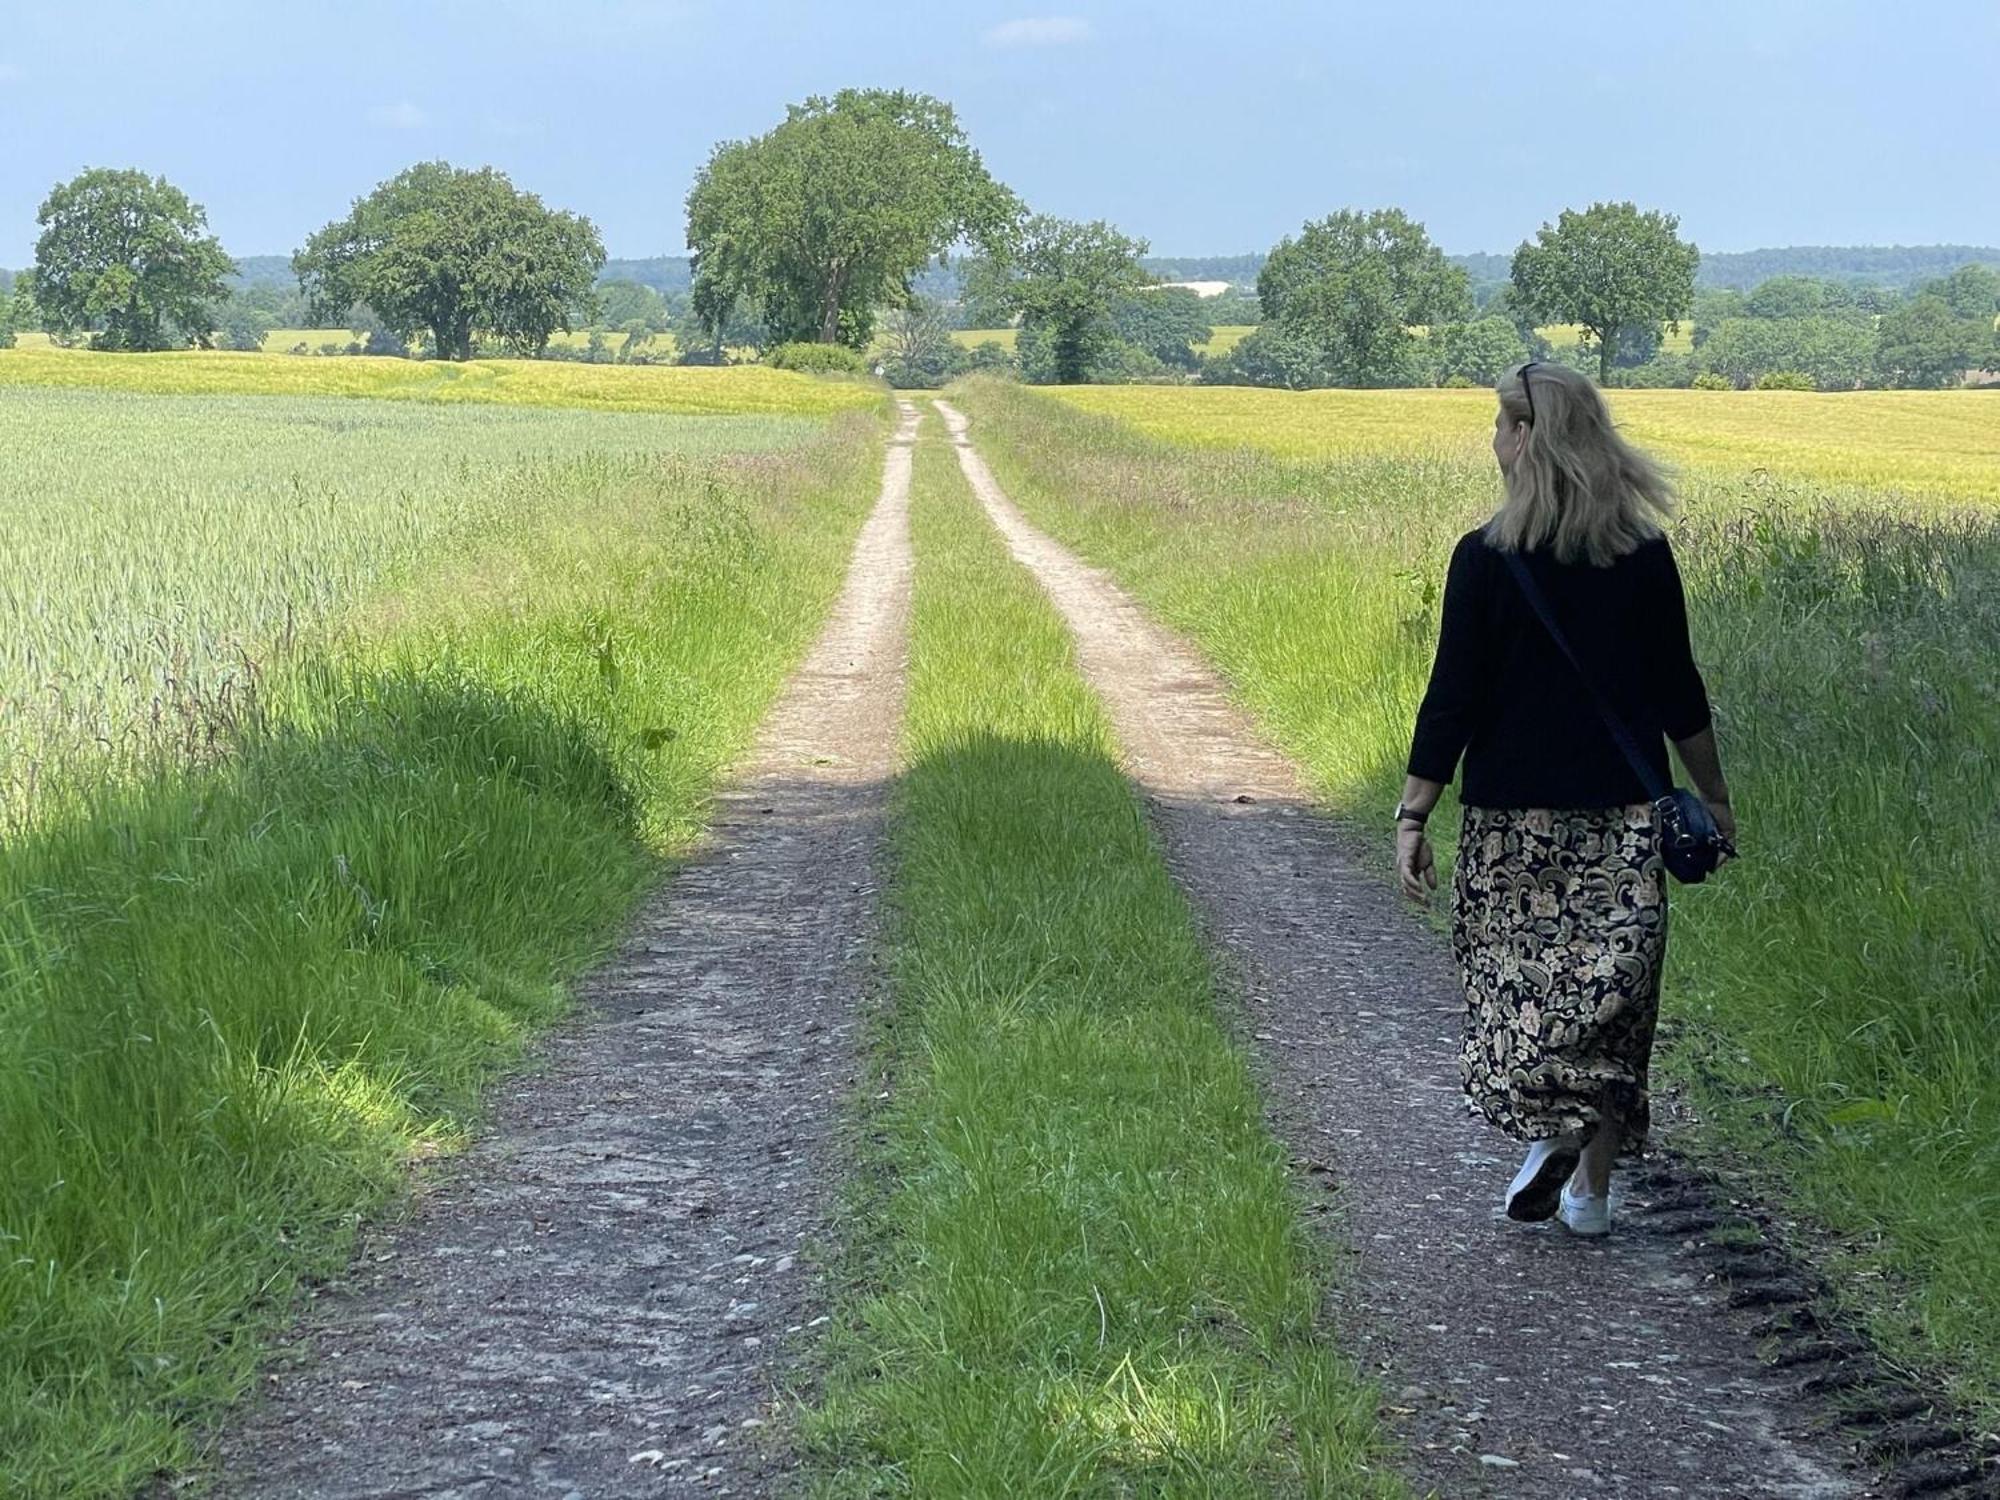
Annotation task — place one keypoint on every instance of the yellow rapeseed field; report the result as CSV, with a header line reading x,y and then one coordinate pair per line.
x,y
746,389
1936,444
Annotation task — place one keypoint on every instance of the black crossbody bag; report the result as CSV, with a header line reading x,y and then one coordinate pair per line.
x,y
1691,846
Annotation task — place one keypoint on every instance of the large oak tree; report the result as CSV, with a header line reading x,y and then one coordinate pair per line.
x,y
1611,267
129,258
828,215
457,255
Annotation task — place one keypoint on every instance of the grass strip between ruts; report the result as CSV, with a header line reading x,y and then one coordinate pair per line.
x,y
1078,1267
239,996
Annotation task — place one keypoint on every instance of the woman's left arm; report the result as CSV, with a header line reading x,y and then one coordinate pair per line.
x,y
1687,718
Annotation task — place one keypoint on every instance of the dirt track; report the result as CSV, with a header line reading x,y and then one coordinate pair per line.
x,y
1516,1360
593,1300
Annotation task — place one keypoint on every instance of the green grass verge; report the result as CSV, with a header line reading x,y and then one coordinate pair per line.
x,y
1832,997
1081,1270
236,999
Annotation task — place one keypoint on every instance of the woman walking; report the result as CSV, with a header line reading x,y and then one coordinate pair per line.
x,y
1559,915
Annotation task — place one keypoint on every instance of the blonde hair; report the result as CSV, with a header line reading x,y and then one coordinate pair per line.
x,y
1577,488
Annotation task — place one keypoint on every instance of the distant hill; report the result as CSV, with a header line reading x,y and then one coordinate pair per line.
x,y
1485,268
1238,270
666,274
265,270
1876,265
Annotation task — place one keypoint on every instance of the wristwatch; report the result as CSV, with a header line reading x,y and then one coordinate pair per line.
x,y
1405,815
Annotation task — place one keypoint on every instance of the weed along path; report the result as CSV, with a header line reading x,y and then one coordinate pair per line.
x,y
592,1301
1514,1361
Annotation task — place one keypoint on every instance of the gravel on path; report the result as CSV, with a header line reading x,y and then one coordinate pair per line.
x,y
1515,1360
598,1298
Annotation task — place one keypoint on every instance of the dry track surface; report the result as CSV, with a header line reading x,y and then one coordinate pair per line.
x,y
594,1301
1518,1360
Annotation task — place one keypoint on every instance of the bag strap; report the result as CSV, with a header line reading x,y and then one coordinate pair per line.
x,y
1627,744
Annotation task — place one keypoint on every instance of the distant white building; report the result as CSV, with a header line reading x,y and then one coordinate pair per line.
x,y
1199,288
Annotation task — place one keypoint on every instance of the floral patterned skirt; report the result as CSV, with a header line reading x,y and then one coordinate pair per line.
x,y
1559,922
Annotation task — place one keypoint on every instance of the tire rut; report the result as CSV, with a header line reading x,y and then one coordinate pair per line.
x,y
597,1299
1529,1363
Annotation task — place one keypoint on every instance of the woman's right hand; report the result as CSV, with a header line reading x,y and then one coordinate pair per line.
x,y
1725,819
1416,866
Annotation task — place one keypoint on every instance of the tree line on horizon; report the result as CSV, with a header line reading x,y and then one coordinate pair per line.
x,y
826,243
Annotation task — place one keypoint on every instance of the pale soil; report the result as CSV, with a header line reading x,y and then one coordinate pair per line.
x,y
598,1298
1515,1360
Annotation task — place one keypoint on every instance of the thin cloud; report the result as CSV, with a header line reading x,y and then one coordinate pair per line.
x,y
12,72
1038,31
401,116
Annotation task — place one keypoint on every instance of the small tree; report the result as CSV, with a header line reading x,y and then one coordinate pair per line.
x,y
1063,277
1786,297
1270,356
1352,285
243,329
1607,267
991,357
1168,322
623,303
1480,351
918,351
1836,354
376,336
637,341
1506,303
1924,344
713,325
129,257
1972,291
457,255
27,316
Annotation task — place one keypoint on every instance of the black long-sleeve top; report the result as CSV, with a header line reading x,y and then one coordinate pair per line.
x,y
1504,697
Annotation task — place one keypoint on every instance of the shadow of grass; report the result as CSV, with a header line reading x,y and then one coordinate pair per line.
x,y
237,1001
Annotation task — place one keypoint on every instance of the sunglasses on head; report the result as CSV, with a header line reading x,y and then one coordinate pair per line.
x,y
1528,394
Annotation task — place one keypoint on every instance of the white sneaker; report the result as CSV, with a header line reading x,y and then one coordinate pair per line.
x,y
1533,1194
1583,1214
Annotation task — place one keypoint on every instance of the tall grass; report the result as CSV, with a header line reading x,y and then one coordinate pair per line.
x,y
237,995
1081,1271
1831,997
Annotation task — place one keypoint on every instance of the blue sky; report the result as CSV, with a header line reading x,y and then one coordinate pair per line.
x,y
1206,128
